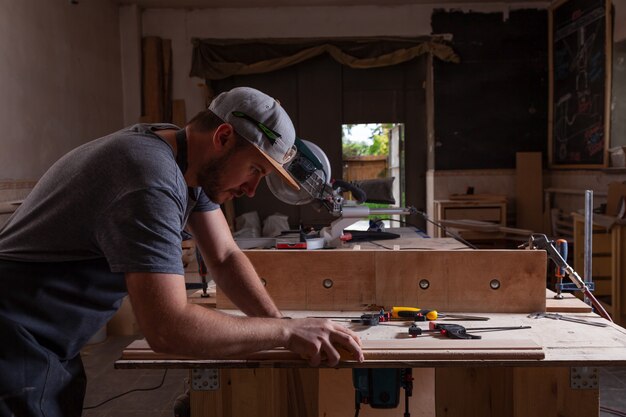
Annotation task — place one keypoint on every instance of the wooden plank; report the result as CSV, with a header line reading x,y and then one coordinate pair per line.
x,y
166,83
547,392
212,403
473,392
179,113
529,190
618,271
511,392
457,280
568,304
295,280
461,281
152,80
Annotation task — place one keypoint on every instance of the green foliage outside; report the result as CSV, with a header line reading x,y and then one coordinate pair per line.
x,y
376,144
379,141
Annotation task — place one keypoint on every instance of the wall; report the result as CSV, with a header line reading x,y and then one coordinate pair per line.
x,y
60,82
440,184
286,22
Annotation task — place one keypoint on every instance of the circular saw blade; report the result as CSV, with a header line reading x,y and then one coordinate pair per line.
x,y
310,188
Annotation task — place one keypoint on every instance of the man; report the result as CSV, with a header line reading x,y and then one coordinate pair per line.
x,y
106,220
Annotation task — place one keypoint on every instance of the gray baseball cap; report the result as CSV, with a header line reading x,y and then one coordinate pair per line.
x,y
263,122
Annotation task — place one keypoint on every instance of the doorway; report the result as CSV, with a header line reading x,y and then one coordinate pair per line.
x,y
374,153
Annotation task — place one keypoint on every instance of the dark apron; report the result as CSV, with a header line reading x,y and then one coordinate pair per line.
x,y
48,311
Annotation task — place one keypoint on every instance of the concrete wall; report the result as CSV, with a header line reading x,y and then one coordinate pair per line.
x,y
60,81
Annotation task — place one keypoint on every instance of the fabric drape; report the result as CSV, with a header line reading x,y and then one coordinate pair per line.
x,y
219,59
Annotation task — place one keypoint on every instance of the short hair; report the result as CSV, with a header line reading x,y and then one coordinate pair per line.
x,y
207,121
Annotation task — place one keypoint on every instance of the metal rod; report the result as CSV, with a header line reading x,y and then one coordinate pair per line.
x,y
587,274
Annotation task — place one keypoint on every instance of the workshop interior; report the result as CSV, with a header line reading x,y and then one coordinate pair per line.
x,y
461,203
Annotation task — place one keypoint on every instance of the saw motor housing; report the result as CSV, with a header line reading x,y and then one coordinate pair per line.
x,y
311,169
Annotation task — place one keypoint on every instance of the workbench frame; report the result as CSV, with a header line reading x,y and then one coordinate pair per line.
x,y
473,384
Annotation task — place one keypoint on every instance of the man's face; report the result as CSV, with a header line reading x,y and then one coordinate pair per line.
x,y
235,173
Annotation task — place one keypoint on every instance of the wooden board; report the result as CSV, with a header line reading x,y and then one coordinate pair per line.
x,y
557,341
426,348
568,304
514,392
444,280
528,191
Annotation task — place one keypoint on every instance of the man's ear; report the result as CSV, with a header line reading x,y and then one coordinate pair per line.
x,y
223,137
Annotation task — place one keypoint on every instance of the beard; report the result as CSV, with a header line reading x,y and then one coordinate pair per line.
x,y
211,177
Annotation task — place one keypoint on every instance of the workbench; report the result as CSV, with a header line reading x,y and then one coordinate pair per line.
x,y
549,370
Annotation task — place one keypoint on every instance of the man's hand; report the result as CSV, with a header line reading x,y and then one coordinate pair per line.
x,y
317,340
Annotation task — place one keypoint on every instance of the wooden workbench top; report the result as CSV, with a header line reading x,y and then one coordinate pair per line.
x,y
548,343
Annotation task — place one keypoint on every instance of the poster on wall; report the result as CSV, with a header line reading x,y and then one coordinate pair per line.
x,y
580,83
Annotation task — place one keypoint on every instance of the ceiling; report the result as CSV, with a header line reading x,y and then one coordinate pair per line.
x,y
202,4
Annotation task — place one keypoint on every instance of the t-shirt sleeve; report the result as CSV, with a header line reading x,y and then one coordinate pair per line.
x,y
203,203
140,232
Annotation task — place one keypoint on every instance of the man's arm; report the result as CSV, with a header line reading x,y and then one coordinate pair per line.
x,y
172,325
229,266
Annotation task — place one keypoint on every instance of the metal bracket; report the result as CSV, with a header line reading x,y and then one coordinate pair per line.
x,y
570,286
584,377
205,379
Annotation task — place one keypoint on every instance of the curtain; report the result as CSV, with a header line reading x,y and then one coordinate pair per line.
x,y
218,59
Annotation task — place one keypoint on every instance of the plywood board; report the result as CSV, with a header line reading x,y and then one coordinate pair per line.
x,y
481,280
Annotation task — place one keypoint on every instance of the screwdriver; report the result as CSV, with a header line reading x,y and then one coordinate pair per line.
x,y
420,314
417,314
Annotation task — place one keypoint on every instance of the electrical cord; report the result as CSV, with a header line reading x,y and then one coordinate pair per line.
x,y
612,411
445,230
91,407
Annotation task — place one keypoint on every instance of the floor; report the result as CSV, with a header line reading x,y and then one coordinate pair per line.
x,y
106,382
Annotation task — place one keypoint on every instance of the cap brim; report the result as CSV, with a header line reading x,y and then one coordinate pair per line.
x,y
281,171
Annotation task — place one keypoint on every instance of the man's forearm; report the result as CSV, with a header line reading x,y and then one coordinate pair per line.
x,y
238,280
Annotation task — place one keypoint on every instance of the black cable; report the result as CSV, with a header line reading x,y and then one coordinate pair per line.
x,y
612,411
91,407
404,223
445,230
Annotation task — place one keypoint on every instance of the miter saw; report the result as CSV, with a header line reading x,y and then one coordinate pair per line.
x,y
311,169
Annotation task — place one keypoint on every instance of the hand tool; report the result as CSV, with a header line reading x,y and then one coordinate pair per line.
x,y
418,314
368,319
202,271
542,242
559,273
555,316
456,331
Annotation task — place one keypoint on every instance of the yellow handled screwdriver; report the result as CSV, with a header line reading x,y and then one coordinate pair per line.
x,y
420,314
414,313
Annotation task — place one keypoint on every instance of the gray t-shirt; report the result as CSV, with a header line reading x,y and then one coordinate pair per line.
x,y
121,197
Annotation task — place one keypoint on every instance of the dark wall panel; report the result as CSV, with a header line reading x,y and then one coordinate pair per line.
x,y
494,103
